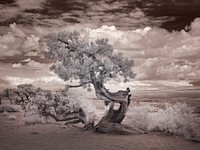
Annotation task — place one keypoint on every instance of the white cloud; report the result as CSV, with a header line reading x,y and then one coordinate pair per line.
x,y
137,13
24,4
147,69
16,31
32,72
16,42
34,64
9,45
195,28
18,65
158,53
26,60
52,81
18,80
31,42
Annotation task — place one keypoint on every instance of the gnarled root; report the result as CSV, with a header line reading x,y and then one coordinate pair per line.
x,y
88,126
117,128
74,121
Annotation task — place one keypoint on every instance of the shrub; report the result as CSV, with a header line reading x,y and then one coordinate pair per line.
x,y
177,119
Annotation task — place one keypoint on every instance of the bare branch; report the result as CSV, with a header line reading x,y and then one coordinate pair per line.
x,y
67,118
80,85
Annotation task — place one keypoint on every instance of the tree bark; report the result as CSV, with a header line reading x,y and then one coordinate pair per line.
x,y
67,118
75,118
111,122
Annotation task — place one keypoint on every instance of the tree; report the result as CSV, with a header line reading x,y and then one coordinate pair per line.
x,y
8,93
39,102
58,106
25,93
94,63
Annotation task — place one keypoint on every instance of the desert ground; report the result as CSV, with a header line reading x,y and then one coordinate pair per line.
x,y
15,135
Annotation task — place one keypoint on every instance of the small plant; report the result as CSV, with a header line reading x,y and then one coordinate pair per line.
x,y
37,103
177,119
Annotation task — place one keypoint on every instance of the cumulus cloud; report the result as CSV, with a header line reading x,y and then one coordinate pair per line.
x,y
29,72
26,60
159,54
195,28
17,65
16,42
49,82
31,65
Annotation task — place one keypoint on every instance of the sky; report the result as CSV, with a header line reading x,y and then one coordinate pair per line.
x,y
161,36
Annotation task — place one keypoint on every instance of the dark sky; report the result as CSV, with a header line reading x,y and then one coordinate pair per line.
x,y
168,14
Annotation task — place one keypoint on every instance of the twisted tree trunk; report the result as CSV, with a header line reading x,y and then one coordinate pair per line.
x,y
111,122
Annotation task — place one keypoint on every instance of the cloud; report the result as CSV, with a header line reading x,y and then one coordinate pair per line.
x,y
18,65
159,54
105,12
17,42
7,12
29,72
4,83
103,6
44,82
26,60
24,4
38,65
195,28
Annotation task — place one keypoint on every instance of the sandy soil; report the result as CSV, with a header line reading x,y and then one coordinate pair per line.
x,y
14,135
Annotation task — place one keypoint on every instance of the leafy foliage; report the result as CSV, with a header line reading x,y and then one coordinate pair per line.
x,y
39,102
76,58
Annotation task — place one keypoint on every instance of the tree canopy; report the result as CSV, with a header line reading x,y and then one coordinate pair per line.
x,y
87,61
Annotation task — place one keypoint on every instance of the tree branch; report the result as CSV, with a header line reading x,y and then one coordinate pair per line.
x,y
75,86
67,118
74,121
89,54
104,94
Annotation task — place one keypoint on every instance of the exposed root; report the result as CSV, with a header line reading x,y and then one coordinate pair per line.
x,y
74,121
116,128
88,127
